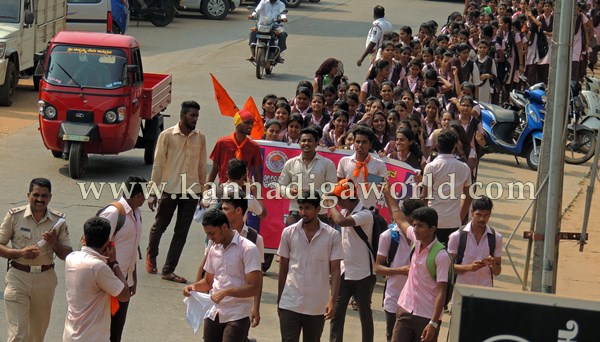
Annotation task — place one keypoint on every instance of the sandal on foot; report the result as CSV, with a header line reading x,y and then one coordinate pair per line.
x,y
150,264
174,278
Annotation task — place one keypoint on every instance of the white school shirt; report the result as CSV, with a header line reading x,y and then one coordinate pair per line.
x,y
395,283
230,266
358,260
307,288
475,251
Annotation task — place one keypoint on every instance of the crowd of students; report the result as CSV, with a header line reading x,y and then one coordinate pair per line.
x,y
417,104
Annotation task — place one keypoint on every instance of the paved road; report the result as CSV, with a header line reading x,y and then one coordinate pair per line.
x,y
189,49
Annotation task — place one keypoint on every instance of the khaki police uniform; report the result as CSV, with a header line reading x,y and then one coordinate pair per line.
x,y
28,295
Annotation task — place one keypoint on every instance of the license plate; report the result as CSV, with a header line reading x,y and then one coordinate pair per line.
x,y
81,138
263,36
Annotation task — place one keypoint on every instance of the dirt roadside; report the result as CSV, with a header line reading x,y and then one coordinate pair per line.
x,y
578,272
22,113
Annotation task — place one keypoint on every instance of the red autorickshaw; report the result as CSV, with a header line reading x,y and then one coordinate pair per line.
x,y
95,98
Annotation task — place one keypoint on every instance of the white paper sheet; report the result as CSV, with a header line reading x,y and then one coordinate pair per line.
x,y
199,214
59,223
199,306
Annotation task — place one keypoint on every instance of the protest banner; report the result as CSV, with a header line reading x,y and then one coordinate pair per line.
x,y
275,154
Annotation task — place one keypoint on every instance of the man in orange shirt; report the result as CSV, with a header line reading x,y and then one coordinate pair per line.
x,y
237,145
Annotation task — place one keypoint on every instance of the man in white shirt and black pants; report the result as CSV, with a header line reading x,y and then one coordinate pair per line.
x,y
358,277
125,220
310,252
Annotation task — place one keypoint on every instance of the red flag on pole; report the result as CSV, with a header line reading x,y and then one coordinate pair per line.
x,y
226,104
259,126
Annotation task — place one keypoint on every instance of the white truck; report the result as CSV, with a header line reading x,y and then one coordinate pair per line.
x,y
26,28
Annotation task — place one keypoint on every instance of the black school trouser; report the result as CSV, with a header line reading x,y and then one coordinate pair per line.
x,y
117,322
409,327
234,331
185,213
361,290
292,323
390,321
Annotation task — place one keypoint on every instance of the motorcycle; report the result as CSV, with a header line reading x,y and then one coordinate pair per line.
x,y
266,47
581,139
516,130
159,12
591,101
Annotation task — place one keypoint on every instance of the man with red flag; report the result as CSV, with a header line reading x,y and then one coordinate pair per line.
x,y
237,145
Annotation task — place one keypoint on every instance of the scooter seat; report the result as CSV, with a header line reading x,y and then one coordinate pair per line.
x,y
505,115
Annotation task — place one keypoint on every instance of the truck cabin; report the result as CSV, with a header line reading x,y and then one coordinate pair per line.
x,y
102,66
10,12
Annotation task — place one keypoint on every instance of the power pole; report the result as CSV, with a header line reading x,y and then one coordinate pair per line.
x,y
545,253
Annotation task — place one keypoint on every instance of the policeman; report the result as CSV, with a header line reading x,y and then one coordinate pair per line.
x,y
36,233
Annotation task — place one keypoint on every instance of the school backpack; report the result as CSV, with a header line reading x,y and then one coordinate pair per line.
x,y
120,220
394,244
462,244
379,226
431,268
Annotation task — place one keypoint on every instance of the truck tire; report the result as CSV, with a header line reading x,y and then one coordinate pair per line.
x,y
215,9
76,159
11,79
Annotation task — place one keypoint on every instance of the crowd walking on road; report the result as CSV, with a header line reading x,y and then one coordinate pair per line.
x,y
417,103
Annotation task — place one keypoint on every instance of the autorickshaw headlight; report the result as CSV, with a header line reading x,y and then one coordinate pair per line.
x,y
41,105
50,112
110,117
122,111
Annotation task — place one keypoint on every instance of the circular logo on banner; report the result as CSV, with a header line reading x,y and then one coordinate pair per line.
x,y
275,161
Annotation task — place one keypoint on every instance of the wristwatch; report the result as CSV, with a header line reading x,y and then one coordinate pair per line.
x,y
112,264
434,324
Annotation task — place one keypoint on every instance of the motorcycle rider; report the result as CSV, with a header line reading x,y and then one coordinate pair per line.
x,y
273,9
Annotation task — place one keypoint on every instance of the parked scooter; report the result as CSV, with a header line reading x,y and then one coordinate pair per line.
x,y
159,12
516,130
266,53
580,140
591,101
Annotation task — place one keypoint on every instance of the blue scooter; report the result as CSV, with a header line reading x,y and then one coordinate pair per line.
x,y
516,130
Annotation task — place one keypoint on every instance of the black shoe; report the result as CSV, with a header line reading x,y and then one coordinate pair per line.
x,y
280,60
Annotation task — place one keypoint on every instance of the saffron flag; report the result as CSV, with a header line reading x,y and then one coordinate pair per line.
x,y
259,126
225,102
